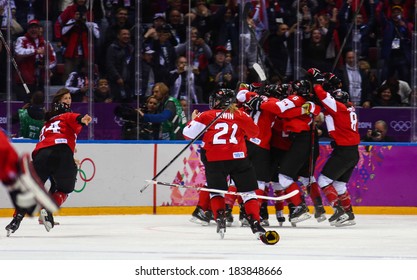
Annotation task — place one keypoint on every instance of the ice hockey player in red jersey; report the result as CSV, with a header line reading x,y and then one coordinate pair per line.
x,y
53,156
342,124
297,112
224,154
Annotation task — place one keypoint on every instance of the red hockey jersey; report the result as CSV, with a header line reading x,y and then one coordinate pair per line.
x,y
341,121
290,110
60,129
225,139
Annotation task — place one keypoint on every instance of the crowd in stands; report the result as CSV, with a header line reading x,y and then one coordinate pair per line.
x,y
366,44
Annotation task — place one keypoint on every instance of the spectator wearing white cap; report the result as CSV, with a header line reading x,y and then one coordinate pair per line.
x,y
30,52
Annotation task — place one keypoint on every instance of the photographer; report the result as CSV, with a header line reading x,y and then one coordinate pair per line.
x,y
379,133
71,32
131,117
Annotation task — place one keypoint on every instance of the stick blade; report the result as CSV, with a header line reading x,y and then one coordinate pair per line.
x,y
259,71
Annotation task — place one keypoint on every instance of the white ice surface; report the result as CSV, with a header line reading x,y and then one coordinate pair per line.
x,y
174,237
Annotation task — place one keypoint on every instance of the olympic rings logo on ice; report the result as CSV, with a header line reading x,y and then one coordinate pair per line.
x,y
91,168
400,125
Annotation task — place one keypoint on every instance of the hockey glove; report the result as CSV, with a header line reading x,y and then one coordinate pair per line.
x,y
254,104
316,76
333,80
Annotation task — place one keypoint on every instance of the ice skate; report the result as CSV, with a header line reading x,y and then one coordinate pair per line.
x,y
242,216
291,208
229,216
210,216
280,217
47,219
349,222
339,215
14,224
264,214
199,216
41,222
221,223
256,227
299,214
319,213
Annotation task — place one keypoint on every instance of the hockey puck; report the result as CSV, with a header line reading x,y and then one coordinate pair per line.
x,y
271,237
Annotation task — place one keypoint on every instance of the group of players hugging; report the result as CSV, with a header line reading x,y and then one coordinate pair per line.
x,y
284,152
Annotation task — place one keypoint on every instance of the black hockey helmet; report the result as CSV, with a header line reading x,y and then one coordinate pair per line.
x,y
340,95
221,98
255,87
302,88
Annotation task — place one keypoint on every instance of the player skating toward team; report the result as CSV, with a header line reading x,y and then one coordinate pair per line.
x,y
53,156
224,154
342,124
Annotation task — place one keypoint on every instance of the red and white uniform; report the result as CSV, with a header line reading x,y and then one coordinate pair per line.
x,y
341,121
61,129
290,110
280,139
225,139
264,120
26,57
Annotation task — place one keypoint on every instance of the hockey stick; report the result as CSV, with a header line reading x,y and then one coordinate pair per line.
x,y
276,198
186,147
311,163
6,46
259,71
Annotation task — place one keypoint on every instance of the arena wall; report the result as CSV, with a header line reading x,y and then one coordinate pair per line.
x,y
112,173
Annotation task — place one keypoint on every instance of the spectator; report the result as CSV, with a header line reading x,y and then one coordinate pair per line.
x,y
102,92
149,74
370,75
169,114
401,88
177,27
185,107
314,48
200,55
201,18
118,58
71,31
149,130
363,32
379,133
78,83
158,20
30,52
396,45
225,27
165,55
355,81
327,23
385,97
31,117
132,127
217,71
181,81
110,35
281,54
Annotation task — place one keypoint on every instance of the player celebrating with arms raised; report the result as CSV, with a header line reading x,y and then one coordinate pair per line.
x,y
342,124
